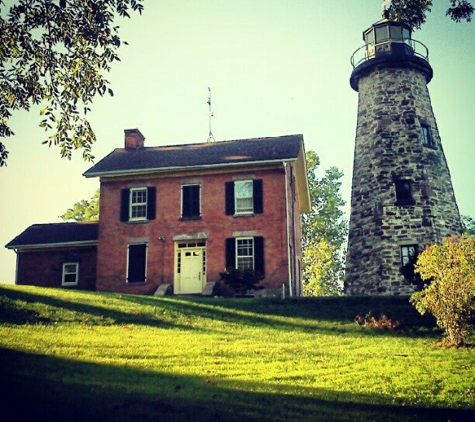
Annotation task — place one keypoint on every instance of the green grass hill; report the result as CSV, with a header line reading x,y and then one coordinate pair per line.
x,y
79,356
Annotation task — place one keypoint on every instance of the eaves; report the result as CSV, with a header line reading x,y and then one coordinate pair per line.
x,y
141,172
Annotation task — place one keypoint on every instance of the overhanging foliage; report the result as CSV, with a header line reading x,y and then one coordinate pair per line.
x,y
55,54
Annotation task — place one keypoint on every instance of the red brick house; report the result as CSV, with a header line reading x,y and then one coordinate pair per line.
x,y
176,216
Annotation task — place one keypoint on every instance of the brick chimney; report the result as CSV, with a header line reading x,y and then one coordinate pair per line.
x,y
133,139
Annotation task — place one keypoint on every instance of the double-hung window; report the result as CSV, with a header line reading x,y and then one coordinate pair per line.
x,y
70,276
245,253
190,201
138,204
244,197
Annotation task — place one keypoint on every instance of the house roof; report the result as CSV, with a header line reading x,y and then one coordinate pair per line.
x,y
210,154
56,234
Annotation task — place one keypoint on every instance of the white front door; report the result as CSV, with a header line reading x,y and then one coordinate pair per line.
x,y
191,271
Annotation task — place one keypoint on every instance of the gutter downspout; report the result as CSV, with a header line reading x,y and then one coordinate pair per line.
x,y
289,258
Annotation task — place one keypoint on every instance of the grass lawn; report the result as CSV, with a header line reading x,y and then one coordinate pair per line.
x,y
77,356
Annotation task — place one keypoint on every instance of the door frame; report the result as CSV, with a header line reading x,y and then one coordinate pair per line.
x,y
180,248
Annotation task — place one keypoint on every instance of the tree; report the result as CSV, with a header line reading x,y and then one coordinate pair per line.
x,y
468,225
84,210
449,268
413,12
324,231
54,53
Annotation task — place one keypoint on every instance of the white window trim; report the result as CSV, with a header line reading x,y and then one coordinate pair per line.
x,y
64,273
181,205
236,208
253,256
138,204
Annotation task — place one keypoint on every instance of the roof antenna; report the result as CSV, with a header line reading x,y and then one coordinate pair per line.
x,y
210,134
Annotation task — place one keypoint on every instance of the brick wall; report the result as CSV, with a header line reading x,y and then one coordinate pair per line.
x,y
114,235
44,268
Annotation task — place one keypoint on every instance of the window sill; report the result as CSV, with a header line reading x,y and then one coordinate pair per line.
x,y
135,283
137,221
405,203
190,218
245,214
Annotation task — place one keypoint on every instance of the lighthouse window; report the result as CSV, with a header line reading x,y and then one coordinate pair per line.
x,y
382,34
408,254
427,139
408,260
396,33
370,37
404,192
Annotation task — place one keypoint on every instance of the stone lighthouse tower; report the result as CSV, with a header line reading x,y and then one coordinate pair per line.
x,y
402,197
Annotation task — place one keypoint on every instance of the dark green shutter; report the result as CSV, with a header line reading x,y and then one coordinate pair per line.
x,y
259,255
124,205
258,196
230,253
190,201
137,264
229,191
185,202
195,200
151,203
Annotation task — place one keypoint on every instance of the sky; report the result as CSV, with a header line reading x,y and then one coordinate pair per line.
x,y
275,67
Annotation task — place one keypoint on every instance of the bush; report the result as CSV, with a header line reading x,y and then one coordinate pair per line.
x,y
241,280
450,296
377,321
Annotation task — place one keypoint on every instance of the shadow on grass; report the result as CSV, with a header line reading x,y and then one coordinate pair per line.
x,y
96,315
303,314
46,388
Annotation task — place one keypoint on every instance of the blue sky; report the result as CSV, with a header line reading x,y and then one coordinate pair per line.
x,y
275,67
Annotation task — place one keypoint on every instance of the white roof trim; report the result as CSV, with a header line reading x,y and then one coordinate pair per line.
x,y
82,243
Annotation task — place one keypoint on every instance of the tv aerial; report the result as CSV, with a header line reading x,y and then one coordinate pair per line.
x,y
210,134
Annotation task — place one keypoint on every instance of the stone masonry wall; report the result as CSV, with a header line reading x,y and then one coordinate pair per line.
x,y
393,104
